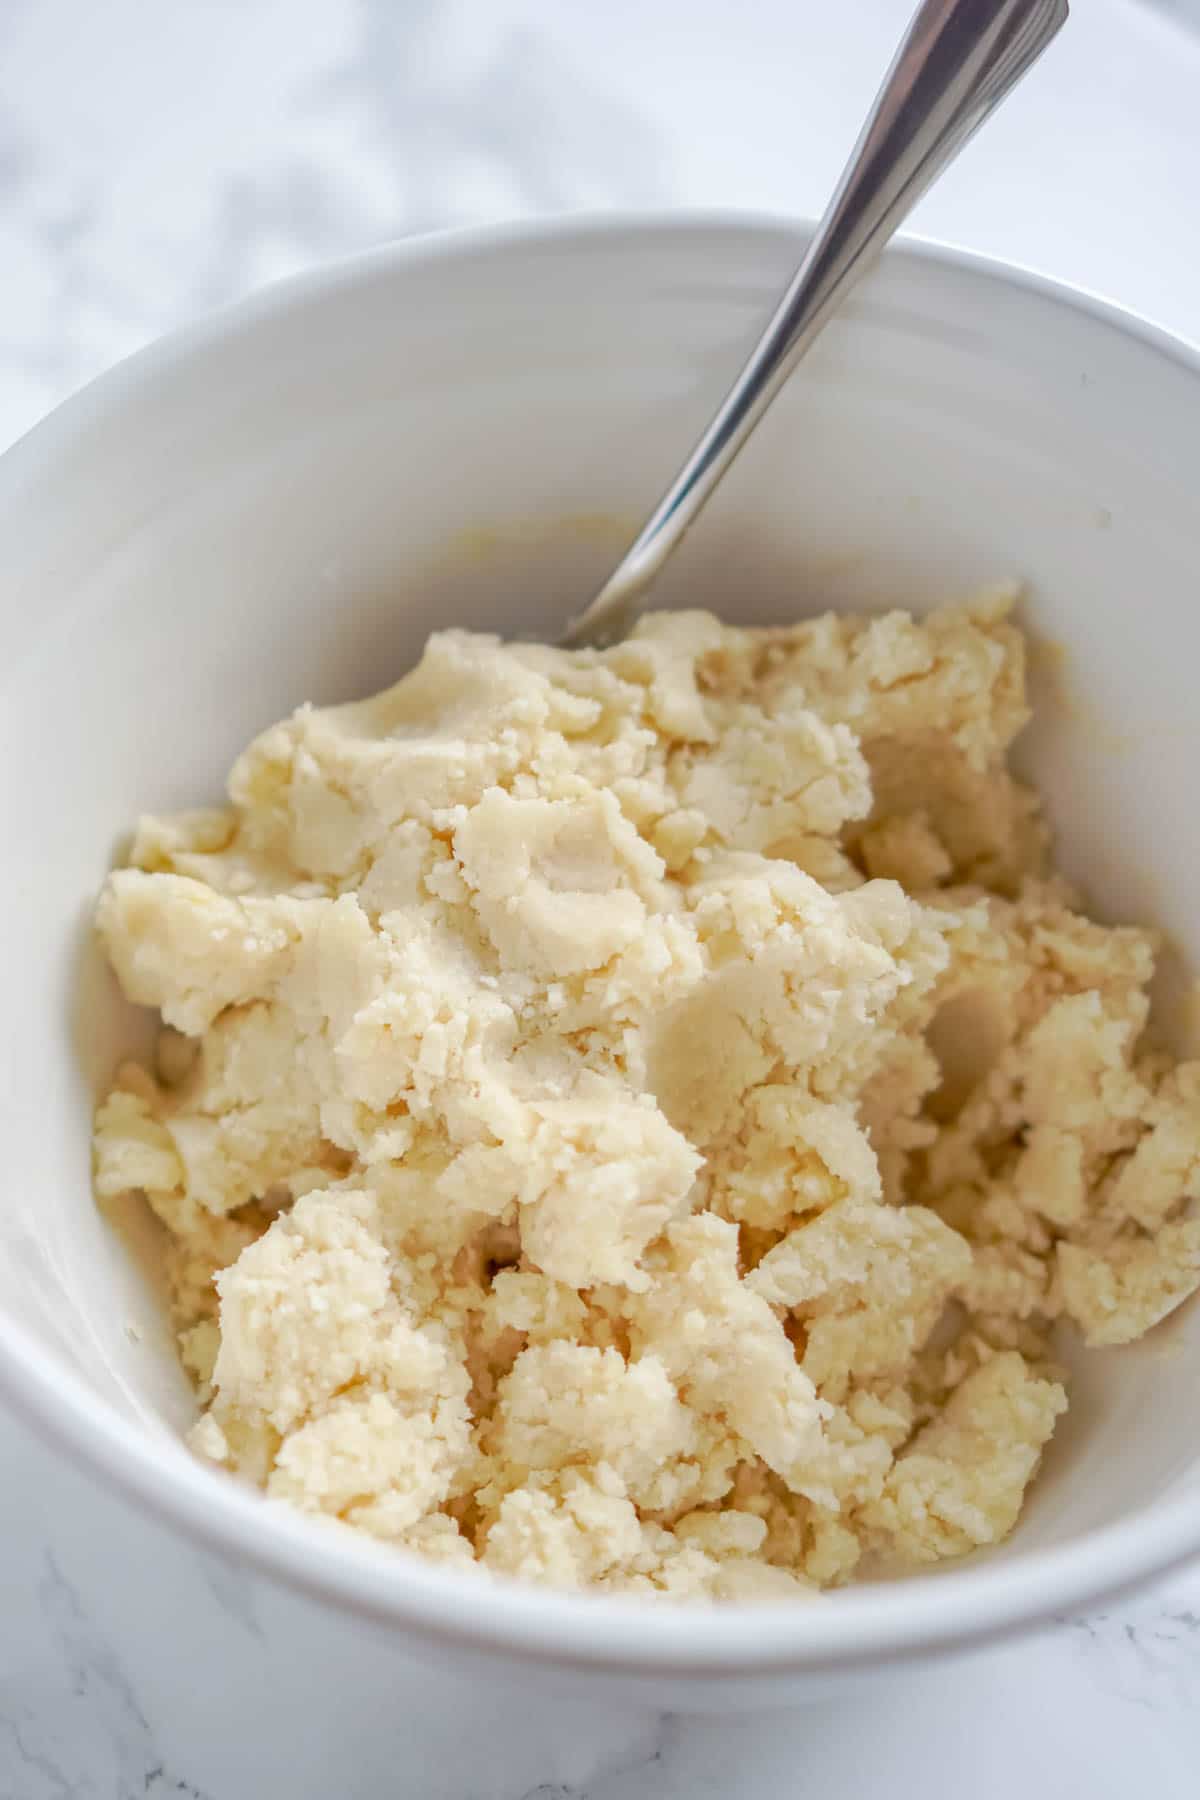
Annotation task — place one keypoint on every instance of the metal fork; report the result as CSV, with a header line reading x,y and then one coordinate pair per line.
x,y
958,60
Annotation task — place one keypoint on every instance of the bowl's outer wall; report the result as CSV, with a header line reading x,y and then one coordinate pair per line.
x,y
283,508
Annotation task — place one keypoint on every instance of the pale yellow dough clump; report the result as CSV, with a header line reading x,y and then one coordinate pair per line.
x,y
631,1118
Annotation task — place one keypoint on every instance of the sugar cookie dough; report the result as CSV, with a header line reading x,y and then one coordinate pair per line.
x,y
631,1119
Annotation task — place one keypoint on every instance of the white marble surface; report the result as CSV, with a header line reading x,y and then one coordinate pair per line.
x,y
131,1667
158,161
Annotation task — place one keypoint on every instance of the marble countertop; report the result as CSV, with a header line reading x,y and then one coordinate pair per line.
x,y
131,1668
156,162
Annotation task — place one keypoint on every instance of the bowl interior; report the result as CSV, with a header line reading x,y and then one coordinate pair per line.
x,y
282,509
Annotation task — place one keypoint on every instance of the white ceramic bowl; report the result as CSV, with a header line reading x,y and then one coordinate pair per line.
x,y
280,505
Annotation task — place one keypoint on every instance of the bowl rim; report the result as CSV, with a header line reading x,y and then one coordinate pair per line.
x,y
976,1602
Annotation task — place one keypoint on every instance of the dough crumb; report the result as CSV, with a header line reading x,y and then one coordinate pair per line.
x,y
633,1119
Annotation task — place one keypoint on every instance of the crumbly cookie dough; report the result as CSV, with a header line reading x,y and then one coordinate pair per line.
x,y
631,1119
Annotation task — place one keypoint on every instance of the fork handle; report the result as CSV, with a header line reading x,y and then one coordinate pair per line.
x,y
957,62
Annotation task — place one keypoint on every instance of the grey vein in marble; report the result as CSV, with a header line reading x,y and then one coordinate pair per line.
x,y
1143,1654
233,1592
430,117
102,1732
